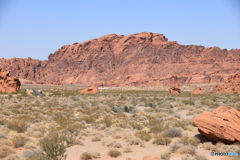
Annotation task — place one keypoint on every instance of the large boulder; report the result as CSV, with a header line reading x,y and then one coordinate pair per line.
x,y
90,90
8,84
223,124
197,90
175,89
231,86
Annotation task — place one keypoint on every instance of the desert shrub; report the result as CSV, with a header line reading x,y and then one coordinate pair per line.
x,y
161,140
5,151
19,141
200,157
54,147
5,142
86,156
136,125
174,147
127,149
207,145
188,102
182,123
96,155
114,153
117,145
17,125
96,138
144,135
116,136
107,121
12,157
133,141
173,132
187,157
33,155
166,156
187,150
190,141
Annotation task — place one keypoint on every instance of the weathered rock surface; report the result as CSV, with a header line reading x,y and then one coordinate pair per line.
x,y
223,124
231,86
197,90
90,90
142,59
8,84
175,89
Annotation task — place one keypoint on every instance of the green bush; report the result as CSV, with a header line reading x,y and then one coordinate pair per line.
x,y
54,147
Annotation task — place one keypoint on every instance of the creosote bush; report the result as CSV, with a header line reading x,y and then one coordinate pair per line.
x,y
114,153
54,147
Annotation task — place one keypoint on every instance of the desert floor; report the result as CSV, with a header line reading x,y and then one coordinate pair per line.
x,y
122,123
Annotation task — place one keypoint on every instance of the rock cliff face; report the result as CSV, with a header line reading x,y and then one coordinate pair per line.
x,y
142,59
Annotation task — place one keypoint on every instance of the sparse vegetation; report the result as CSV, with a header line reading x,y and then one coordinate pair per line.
x,y
114,153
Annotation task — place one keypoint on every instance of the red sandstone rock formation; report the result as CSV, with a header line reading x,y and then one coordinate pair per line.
x,y
231,86
223,124
175,89
197,90
142,59
90,90
8,84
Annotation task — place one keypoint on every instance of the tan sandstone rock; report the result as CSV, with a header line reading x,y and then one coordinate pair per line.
x,y
8,84
175,89
90,90
223,124
197,90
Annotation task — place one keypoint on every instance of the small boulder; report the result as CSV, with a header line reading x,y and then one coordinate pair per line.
x,y
151,158
197,90
90,90
223,124
175,89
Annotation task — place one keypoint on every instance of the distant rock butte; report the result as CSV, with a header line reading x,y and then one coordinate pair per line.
x,y
142,59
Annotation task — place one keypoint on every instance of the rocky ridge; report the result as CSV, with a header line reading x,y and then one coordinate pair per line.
x,y
142,59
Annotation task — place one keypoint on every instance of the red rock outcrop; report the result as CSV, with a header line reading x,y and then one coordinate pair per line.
x,y
142,59
8,84
223,124
231,86
197,90
90,90
175,89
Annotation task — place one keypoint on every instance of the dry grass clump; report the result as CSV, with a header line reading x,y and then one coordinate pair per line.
x,y
127,149
174,147
12,157
133,141
200,157
17,125
159,139
187,150
144,135
210,146
116,136
96,138
173,132
19,140
5,151
114,153
5,142
186,140
86,156
166,156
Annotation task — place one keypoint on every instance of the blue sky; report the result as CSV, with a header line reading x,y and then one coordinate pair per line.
x,y
36,28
